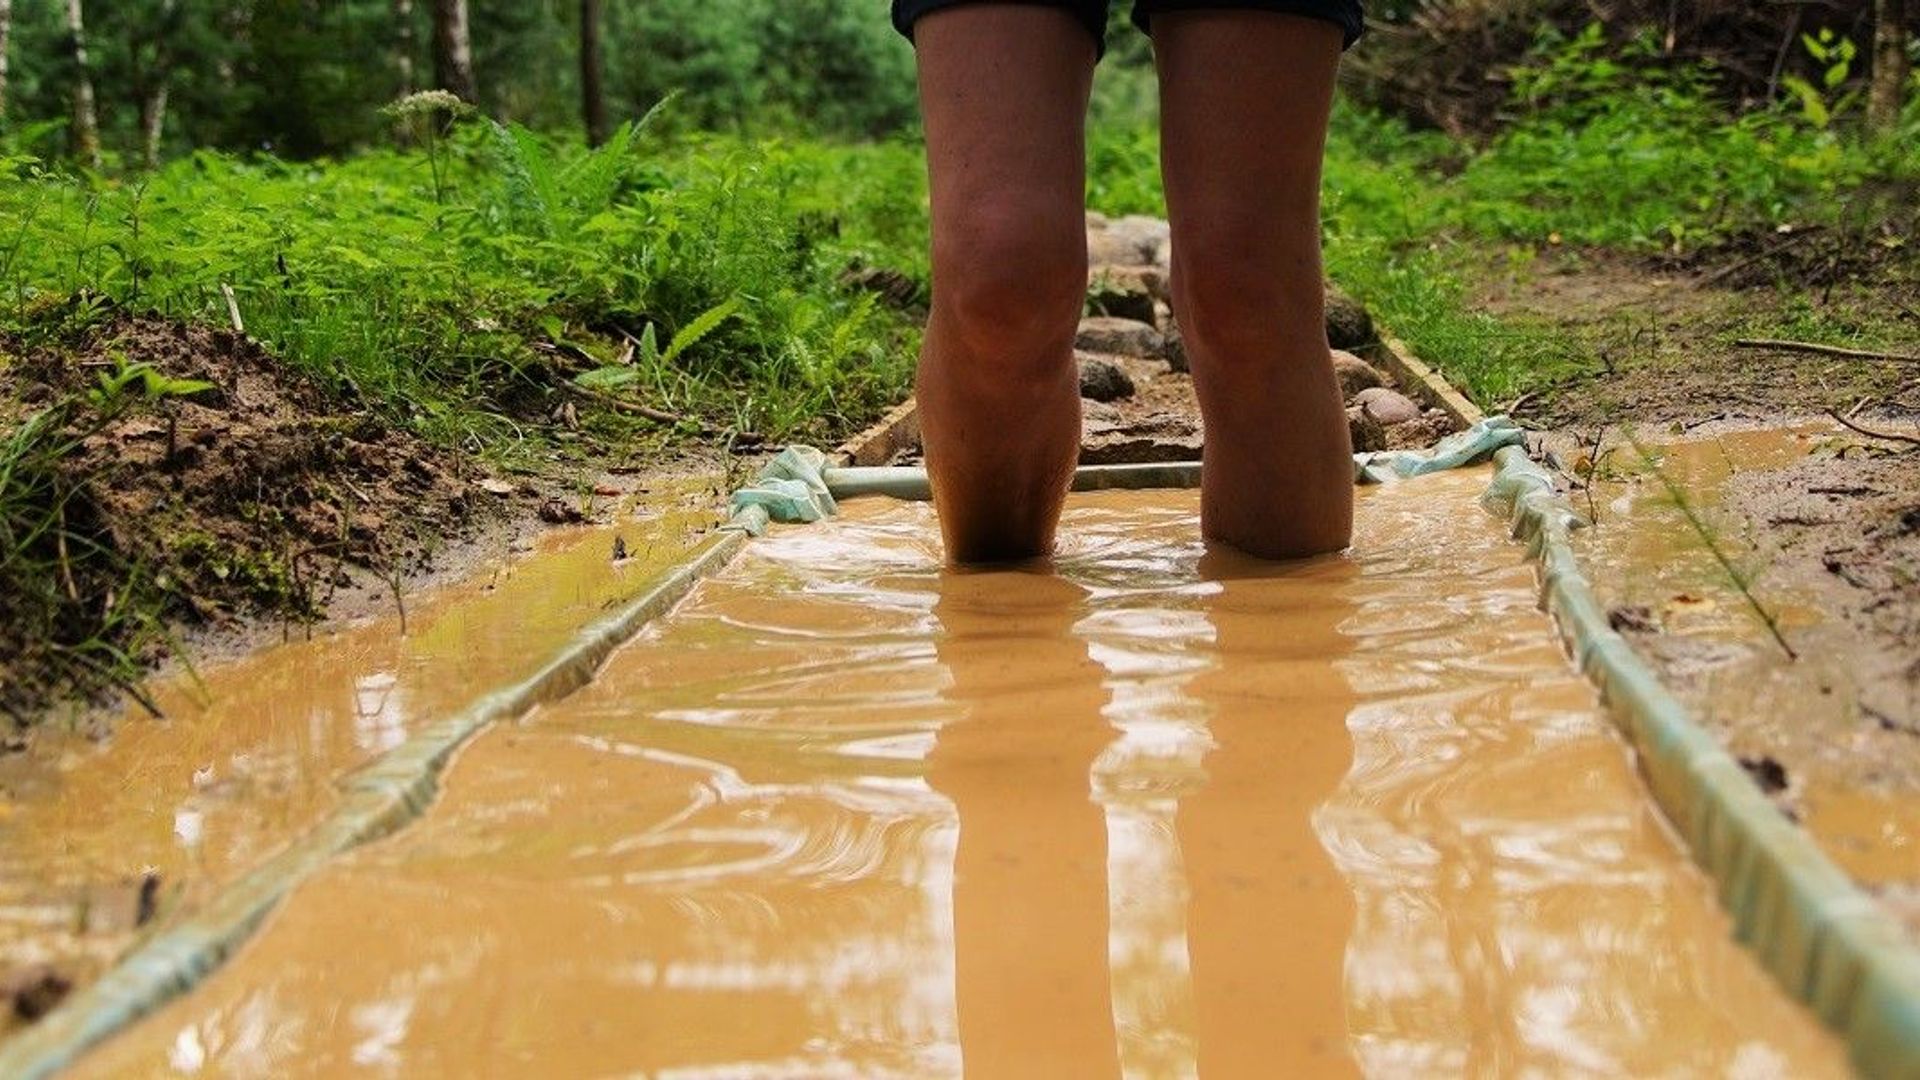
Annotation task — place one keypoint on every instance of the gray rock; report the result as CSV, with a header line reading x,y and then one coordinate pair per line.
x,y
1134,240
1348,324
1097,417
1102,380
1125,292
1176,349
1387,407
1354,373
1124,337
1366,432
1155,437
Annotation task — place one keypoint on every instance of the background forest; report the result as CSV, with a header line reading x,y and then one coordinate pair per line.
x,y
550,237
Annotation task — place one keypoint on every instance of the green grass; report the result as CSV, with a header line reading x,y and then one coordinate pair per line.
x,y
454,289
462,290
1597,154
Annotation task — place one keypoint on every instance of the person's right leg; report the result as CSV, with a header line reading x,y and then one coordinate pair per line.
x,y
1004,91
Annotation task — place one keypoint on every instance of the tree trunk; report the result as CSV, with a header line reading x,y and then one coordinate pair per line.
x,y
403,45
593,98
153,121
84,138
452,53
6,29
150,83
1889,64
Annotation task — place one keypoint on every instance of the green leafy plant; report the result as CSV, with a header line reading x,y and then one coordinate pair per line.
x,y
129,382
1821,104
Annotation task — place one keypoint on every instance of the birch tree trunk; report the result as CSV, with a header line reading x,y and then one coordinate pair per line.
x,y
452,52
153,86
1890,66
153,121
403,45
84,138
593,98
6,30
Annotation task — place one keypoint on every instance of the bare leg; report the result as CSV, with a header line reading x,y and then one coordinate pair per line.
x,y
1244,98
1004,91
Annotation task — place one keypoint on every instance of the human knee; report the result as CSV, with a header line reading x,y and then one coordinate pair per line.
x,y
1010,283
1237,298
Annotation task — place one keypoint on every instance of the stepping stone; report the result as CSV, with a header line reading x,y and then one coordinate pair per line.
x,y
1102,379
1124,337
1387,407
1354,373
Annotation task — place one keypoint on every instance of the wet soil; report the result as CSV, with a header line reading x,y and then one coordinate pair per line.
x,y
1660,341
208,498
1825,528
1821,517
1348,815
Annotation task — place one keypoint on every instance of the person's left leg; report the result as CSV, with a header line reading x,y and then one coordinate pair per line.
x,y
1245,97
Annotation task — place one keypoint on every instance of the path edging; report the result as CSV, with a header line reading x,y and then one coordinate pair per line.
x,y
1824,939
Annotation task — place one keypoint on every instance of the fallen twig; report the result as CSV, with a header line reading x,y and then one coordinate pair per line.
x,y
634,408
1891,436
1769,252
661,416
1824,350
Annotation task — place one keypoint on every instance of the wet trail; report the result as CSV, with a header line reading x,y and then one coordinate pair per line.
x,y
1150,812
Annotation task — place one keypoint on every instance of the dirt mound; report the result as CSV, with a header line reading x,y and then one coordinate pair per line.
x,y
161,474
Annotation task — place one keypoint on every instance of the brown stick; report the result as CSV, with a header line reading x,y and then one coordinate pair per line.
x,y
1770,251
1891,436
632,408
1824,350
662,416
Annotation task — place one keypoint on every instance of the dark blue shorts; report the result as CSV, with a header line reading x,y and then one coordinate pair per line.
x,y
1093,13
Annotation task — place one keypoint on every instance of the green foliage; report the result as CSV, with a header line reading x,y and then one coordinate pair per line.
x,y
458,312
1602,148
130,383
1820,104
306,80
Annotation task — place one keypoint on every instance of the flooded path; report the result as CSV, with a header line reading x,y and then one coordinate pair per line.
x,y
252,757
1149,812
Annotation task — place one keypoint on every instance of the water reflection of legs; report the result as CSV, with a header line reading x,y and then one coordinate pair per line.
x,y
1268,914
1030,873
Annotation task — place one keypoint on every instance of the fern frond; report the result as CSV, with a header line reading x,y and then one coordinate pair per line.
x,y
703,324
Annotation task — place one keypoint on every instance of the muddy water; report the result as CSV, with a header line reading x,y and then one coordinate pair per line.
x,y
1152,812
1853,783
251,757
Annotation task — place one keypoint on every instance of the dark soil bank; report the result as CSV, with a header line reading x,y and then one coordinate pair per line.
x,y
169,475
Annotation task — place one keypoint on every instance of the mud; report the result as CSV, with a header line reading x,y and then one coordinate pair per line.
x,y
1652,343
215,486
1149,809
99,837
1829,532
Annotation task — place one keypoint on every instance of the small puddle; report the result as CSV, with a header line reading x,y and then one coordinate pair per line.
x,y
1855,786
252,760
844,813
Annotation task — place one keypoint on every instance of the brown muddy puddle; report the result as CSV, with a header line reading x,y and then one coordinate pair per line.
x,y
252,758
1854,785
1153,813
